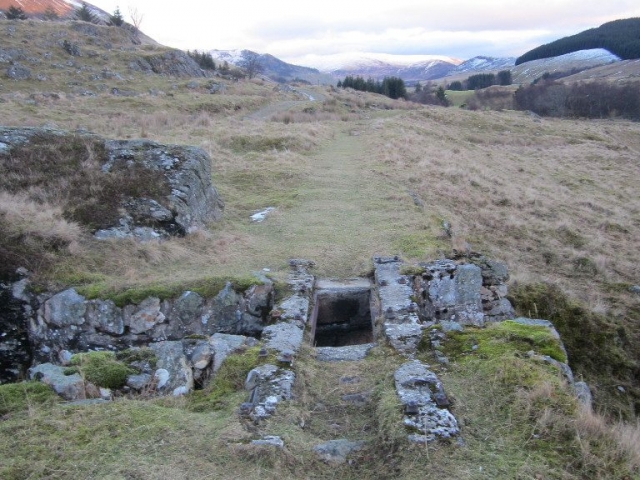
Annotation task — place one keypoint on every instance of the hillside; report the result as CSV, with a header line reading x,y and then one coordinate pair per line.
x,y
620,37
272,67
349,176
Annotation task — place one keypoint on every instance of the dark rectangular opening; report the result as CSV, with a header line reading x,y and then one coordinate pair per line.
x,y
342,317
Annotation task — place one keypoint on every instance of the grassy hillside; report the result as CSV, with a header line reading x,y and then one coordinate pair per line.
x,y
350,175
620,37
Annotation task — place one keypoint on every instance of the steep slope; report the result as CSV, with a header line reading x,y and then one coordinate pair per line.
x,y
620,37
272,67
483,64
64,8
568,64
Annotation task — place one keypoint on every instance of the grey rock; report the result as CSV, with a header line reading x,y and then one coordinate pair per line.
x,y
15,345
171,357
199,355
223,345
141,381
268,385
161,377
146,316
174,63
499,310
283,337
493,273
193,201
583,393
225,314
402,324
635,289
404,338
259,300
65,357
105,316
341,354
468,305
450,326
145,210
69,387
337,451
357,399
65,308
269,441
18,72
419,387
187,312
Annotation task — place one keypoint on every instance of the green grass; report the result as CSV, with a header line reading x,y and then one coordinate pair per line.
x,y
102,369
501,338
17,397
458,98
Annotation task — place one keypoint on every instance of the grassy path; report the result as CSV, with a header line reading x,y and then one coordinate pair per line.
x,y
344,212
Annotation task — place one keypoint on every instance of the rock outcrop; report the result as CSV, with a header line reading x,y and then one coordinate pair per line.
x,y
174,63
183,199
68,321
15,347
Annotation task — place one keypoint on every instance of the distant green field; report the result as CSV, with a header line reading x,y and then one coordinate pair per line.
x,y
458,98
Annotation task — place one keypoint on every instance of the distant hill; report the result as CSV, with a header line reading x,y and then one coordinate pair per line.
x,y
620,37
410,68
563,65
273,67
481,64
64,8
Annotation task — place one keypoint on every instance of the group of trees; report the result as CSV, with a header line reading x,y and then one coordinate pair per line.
x,y
482,80
620,37
204,59
392,87
83,13
597,99
15,13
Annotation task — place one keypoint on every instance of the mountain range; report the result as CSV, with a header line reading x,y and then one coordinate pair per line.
x,y
411,68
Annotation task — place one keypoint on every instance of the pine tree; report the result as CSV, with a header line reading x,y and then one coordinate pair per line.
x,y
84,14
50,14
15,13
116,20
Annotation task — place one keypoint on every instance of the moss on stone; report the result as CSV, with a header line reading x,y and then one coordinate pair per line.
x,y
132,355
229,380
101,369
15,397
504,338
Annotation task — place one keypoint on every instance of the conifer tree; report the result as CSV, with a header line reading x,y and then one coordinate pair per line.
x,y
116,20
84,14
15,13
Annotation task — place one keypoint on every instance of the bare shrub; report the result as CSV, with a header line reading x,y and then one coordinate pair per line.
x,y
492,98
66,171
32,234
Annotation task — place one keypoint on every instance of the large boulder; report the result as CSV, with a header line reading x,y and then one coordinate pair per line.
x,y
174,63
168,189
15,348
193,200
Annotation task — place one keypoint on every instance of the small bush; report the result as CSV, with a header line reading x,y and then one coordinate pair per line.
x,y
102,369
15,397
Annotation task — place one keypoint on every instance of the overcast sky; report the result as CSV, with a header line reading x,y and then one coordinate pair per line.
x,y
292,29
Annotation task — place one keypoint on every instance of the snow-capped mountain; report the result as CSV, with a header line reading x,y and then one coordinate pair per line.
x,y
483,64
569,63
380,65
272,67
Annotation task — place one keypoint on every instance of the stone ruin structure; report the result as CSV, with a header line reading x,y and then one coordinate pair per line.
x,y
342,319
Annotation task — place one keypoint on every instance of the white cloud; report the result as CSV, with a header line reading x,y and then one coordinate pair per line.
x,y
287,29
